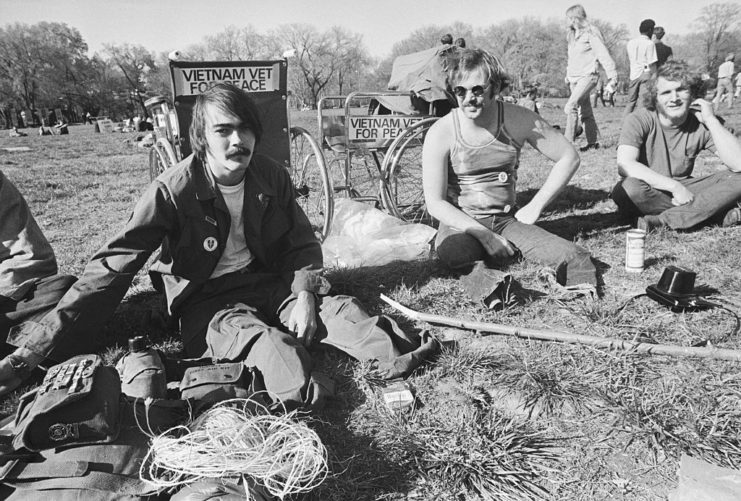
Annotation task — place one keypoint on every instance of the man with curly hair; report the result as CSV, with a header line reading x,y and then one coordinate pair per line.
x,y
656,155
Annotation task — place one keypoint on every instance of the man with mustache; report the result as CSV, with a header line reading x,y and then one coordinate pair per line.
x,y
239,264
656,155
469,169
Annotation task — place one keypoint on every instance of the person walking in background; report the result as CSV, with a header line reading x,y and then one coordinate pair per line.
x,y
724,90
663,51
642,58
586,52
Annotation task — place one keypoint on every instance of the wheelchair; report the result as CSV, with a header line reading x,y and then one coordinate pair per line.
x,y
373,147
373,139
266,81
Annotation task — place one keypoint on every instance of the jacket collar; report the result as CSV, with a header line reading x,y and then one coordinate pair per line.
x,y
206,184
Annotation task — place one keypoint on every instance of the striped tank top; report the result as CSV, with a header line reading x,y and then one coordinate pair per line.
x,y
482,178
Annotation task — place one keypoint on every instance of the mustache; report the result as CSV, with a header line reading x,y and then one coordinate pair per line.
x,y
237,151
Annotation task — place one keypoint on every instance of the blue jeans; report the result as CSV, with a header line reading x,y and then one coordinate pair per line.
x,y
714,196
573,264
637,91
578,106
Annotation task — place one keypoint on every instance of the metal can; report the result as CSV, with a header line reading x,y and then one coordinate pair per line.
x,y
635,241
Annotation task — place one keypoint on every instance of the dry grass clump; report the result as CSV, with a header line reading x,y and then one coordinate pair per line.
x,y
483,453
688,410
552,385
463,363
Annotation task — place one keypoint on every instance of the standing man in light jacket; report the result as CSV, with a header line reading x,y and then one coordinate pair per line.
x,y
586,52
643,59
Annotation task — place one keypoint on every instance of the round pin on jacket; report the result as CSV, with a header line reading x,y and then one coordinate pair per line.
x,y
210,244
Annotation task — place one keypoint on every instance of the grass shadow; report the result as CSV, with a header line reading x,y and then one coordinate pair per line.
x,y
572,226
367,282
570,198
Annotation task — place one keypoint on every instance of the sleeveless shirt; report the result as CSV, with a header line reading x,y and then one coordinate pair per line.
x,y
482,178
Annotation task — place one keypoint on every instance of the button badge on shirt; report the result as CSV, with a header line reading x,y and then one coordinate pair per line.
x,y
502,177
210,244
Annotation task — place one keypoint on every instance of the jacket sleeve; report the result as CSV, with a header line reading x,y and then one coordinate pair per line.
x,y
25,254
603,55
85,308
300,261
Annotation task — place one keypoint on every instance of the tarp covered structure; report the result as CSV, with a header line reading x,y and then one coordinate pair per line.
x,y
421,73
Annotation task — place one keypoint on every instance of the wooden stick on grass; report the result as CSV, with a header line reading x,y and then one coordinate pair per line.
x,y
567,337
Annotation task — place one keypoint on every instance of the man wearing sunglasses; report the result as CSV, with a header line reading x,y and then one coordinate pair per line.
x,y
470,160
657,151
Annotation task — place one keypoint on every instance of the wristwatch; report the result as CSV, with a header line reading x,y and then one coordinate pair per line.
x,y
20,367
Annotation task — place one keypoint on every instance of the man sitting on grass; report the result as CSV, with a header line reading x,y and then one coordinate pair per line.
x,y
29,285
470,159
656,155
239,264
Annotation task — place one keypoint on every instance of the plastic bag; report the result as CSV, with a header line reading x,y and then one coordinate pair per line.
x,y
364,236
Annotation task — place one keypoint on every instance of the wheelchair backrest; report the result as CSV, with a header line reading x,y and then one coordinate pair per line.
x,y
266,81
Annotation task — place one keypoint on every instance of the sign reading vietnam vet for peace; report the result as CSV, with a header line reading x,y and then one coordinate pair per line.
x,y
378,128
194,81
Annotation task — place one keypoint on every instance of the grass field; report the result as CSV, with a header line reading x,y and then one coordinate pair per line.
x,y
496,417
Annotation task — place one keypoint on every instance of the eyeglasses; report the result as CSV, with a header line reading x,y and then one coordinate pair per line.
x,y
476,90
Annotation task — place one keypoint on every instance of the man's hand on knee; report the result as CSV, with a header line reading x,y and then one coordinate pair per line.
x,y
681,195
302,320
494,244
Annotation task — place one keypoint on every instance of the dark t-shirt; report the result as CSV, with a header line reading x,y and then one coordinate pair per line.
x,y
663,52
670,151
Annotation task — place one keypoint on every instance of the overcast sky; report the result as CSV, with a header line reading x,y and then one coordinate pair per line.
x,y
165,25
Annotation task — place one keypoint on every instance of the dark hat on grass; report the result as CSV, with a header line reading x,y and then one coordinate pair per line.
x,y
677,282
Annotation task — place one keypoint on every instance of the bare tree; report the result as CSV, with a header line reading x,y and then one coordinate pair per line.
x,y
135,62
314,65
717,22
351,57
40,63
530,51
236,44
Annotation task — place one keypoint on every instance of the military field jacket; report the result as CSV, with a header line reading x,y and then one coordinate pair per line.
x,y
183,212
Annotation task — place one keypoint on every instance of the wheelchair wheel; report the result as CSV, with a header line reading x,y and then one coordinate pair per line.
x,y
161,157
401,184
311,181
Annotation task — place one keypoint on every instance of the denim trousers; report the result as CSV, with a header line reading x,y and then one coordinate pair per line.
x,y
714,196
578,108
244,317
637,91
572,263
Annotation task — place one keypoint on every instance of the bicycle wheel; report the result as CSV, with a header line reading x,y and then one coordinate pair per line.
x,y
161,157
401,183
311,181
